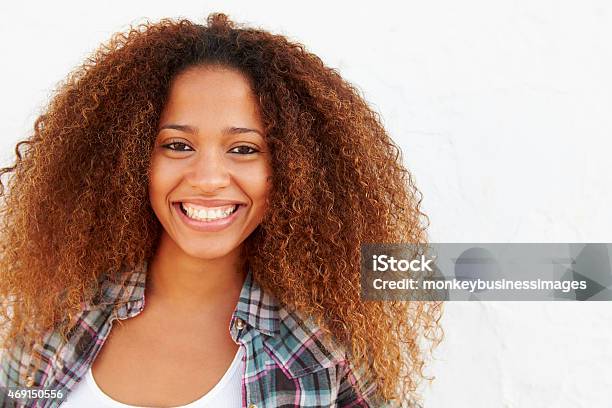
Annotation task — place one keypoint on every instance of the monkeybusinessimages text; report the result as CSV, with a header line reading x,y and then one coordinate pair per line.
x,y
385,263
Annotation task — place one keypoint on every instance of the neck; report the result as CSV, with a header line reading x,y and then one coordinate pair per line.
x,y
185,282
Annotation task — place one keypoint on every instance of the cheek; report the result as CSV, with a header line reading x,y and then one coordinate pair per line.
x,y
160,181
260,191
254,182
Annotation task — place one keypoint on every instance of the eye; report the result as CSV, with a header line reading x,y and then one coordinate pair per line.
x,y
244,149
177,146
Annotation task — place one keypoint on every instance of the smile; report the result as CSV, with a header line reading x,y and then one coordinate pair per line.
x,y
208,219
207,214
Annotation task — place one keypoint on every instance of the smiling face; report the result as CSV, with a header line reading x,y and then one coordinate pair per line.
x,y
208,178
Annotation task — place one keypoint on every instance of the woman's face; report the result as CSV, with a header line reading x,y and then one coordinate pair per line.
x,y
208,180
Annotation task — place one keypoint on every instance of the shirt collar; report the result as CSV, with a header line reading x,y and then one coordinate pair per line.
x,y
255,306
259,309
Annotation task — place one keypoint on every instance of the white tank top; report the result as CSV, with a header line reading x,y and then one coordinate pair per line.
x,y
227,393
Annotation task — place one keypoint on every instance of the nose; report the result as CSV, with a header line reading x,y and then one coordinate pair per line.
x,y
208,172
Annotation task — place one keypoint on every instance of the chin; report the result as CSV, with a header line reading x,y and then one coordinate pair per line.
x,y
208,251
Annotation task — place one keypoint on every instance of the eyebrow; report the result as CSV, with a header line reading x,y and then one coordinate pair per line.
x,y
232,130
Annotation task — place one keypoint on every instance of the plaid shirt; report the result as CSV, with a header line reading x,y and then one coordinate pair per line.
x,y
286,364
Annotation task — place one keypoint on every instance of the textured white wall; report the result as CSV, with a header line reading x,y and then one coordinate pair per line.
x,y
502,109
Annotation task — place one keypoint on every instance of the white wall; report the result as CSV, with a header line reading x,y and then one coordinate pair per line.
x,y
502,109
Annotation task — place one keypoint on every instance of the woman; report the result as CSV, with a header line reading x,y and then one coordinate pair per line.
x,y
228,177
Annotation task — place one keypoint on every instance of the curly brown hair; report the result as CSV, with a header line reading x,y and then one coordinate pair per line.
x,y
75,207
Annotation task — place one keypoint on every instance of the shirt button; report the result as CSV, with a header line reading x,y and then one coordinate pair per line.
x,y
29,381
240,326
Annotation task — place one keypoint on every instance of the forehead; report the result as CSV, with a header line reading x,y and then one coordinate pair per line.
x,y
211,93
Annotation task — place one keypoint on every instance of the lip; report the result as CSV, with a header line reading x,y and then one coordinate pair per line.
x,y
208,226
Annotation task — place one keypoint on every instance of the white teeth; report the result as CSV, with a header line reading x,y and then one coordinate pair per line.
x,y
204,214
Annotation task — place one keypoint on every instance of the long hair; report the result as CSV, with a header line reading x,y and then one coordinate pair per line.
x,y
75,206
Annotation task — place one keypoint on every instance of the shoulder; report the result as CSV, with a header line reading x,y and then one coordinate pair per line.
x,y
299,344
36,366
13,363
311,363
307,356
